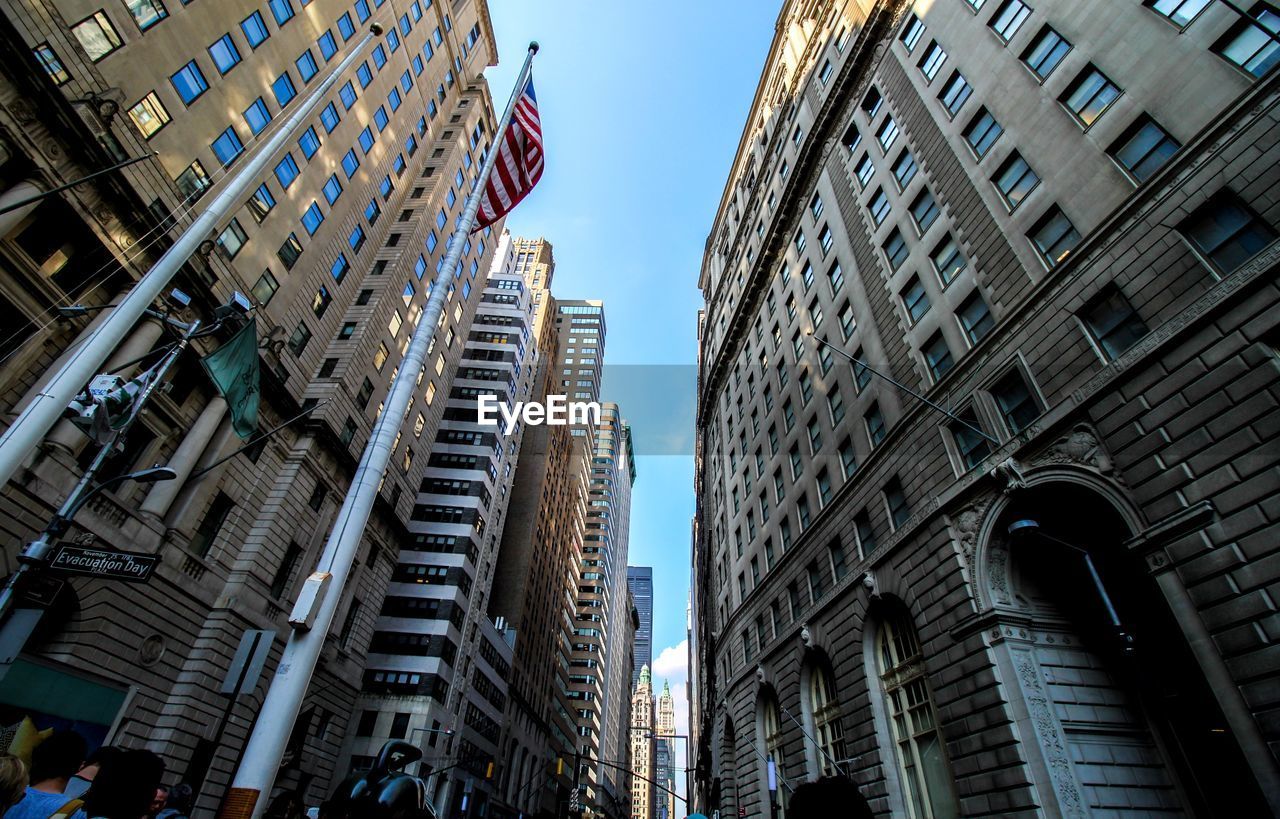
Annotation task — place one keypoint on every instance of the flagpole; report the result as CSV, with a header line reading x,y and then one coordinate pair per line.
x,y
318,604
30,427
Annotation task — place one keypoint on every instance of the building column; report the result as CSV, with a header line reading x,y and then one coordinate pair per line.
x,y
184,458
67,435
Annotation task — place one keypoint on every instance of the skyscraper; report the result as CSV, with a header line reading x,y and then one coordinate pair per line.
x,y
665,754
640,581
1044,236
642,747
335,243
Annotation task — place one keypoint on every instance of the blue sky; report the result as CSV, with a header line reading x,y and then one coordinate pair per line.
x,y
642,105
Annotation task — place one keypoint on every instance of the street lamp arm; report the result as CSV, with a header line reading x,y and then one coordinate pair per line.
x,y
645,778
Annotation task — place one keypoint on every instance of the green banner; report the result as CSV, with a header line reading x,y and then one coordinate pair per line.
x,y
233,367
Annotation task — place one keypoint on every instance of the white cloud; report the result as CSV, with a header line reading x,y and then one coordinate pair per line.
x,y
672,666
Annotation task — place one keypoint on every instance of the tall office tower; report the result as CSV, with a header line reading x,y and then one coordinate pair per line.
x,y
335,243
535,582
433,620
642,748
604,606
1056,220
640,581
535,260
665,753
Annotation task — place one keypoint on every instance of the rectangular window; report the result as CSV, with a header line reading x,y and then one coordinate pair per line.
x,y
866,534
895,249
932,59
1248,45
328,46
887,134
364,74
904,170
975,317
1113,323
937,355
282,10
876,428
915,299
309,142
948,261
1090,95
224,54
896,501
1054,236
320,303
1045,53
232,239
924,210
338,270
366,140
332,189
847,322
1143,148
97,35
312,218
286,171
848,460
189,82
347,94
146,13
284,89
255,30
955,93
1178,12
864,170
193,182
1017,405
835,277
289,251
982,133
299,339
330,118
149,115
306,65
1009,18
261,203
345,27
1227,232
970,446
911,31
1015,180
227,146
350,163
265,288
257,117
879,207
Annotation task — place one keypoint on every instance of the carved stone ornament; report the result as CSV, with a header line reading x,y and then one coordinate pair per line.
x,y
759,673
23,111
1080,446
1009,472
806,636
151,650
966,526
1049,732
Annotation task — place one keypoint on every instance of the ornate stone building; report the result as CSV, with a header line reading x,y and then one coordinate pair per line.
x,y
1017,557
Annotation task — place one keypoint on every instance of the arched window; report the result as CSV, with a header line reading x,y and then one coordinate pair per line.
x,y
922,755
771,739
826,720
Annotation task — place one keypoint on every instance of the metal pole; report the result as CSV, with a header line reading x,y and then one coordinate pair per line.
x,y
29,428
257,770
36,553
834,762
43,194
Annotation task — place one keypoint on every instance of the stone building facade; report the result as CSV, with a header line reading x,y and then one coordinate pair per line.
x,y
1056,222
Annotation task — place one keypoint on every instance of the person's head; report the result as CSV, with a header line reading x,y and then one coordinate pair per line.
x,y
158,801
125,785
58,757
180,798
13,780
95,760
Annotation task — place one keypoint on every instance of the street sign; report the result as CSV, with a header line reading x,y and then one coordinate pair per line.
x,y
134,567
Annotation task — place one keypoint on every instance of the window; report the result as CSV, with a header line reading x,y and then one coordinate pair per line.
x,y
298,340
896,502
309,142
338,270
189,82
1009,18
306,65
348,96
824,75
924,210
911,31
282,10
895,249
982,133
97,35
835,277
876,429
224,54
329,118
1248,45
1045,53
284,89
211,524
345,27
328,46
1227,232
1054,236
915,299
904,170
1090,95
830,751
955,93
948,261
1178,12
193,182
1015,180
847,322
149,116
290,251
320,303
364,74
814,430
1143,148
835,404
350,163
227,147
970,446
887,134
265,287
332,189
864,170
255,30
975,317
286,171
146,13
232,239
257,117
366,140
261,203
932,60
1113,323
937,355
1017,405
921,754
879,207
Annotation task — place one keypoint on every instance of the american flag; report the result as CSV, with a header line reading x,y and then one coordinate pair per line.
x,y
519,164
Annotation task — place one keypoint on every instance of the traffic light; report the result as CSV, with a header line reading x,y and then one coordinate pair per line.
x,y
559,765
488,770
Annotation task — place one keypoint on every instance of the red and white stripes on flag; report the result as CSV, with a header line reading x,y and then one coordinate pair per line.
x,y
519,164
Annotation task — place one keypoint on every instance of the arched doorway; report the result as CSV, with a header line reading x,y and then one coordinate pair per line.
x,y
769,738
1119,707
824,733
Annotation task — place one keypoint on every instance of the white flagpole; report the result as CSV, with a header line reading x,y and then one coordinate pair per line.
x,y
30,427
279,711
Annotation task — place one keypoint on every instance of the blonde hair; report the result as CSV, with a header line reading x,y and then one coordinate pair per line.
x,y
13,780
